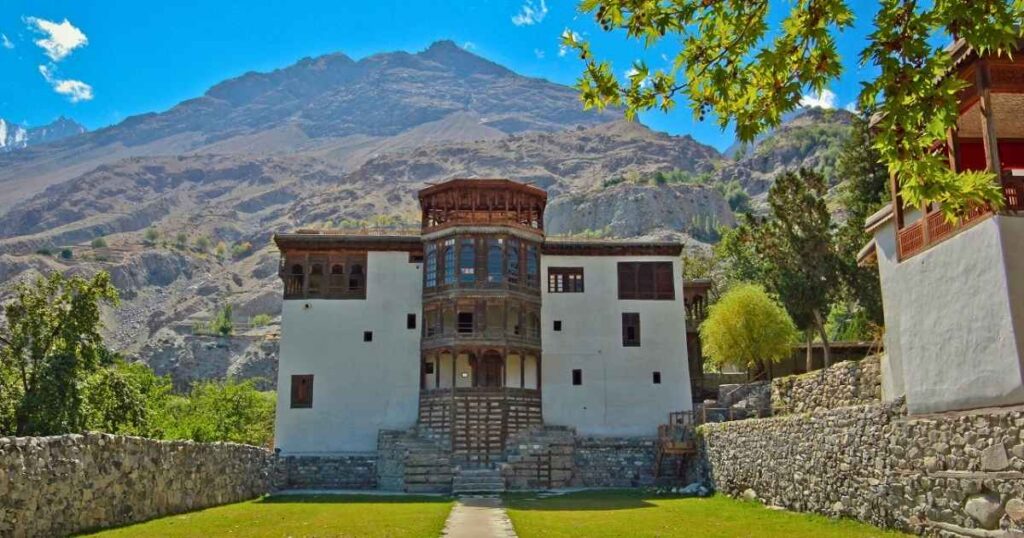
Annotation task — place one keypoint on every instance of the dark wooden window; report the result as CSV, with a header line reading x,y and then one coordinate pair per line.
x,y
495,260
356,279
448,250
657,378
410,321
512,261
630,329
415,257
467,261
302,391
577,377
316,279
367,336
558,325
431,265
565,280
428,368
532,266
465,323
646,281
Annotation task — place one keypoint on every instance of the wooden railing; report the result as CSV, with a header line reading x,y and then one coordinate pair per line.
x,y
934,227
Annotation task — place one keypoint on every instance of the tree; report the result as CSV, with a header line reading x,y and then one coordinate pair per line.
x,y
203,243
51,343
99,242
150,236
222,323
66,254
221,411
747,328
732,63
125,399
181,239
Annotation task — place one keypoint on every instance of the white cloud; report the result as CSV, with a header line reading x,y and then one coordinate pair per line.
x,y
538,53
852,107
6,43
61,38
530,13
468,45
826,99
563,50
76,90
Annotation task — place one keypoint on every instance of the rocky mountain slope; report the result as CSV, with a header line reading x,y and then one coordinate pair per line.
x,y
15,137
180,206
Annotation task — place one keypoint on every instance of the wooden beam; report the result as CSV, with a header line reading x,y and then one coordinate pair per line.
x,y
897,201
953,149
988,127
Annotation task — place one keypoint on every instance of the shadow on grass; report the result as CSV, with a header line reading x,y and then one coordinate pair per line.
x,y
581,501
351,499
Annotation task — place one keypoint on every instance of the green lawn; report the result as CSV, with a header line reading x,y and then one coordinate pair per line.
x,y
294,516
630,513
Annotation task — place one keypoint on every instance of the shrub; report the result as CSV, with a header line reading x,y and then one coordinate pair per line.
x,y
203,243
150,236
99,242
66,254
241,250
260,320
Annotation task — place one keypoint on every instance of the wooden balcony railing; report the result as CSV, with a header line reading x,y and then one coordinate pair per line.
x,y
934,227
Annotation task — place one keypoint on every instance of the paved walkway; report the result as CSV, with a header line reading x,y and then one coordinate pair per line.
x,y
478,517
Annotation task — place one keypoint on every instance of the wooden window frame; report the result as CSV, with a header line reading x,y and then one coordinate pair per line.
x,y
367,336
566,280
656,377
557,326
630,320
646,281
410,321
298,399
577,377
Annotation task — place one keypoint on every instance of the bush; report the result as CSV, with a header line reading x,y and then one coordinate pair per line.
x,y
181,240
150,236
220,411
241,250
66,254
203,244
44,252
260,320
99,242
221,250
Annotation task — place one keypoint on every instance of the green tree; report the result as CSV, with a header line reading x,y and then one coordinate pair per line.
x,y
99,242
737,63
746,327
221,411
51,343
203,243
66,254
181,239
222,323
125,398
150,236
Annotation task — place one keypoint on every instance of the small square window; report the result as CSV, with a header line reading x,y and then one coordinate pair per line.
x,y
302,391
410,321
577,377
367,336
428,368
657,378
558,325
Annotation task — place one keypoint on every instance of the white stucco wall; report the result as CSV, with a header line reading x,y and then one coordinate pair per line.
x,y
618,396
358,387
952,316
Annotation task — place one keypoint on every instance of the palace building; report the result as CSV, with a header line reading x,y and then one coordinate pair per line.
x,y
476,328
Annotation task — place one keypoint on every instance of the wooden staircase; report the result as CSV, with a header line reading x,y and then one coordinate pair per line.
x,y
677,440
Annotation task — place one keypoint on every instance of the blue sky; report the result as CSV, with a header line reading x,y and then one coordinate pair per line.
x,y
118,58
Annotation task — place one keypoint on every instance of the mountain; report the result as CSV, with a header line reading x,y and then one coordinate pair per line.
x,y
15,137
179,206
332,106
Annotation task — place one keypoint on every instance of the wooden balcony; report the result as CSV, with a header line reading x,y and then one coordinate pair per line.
x,y
437,337
933,228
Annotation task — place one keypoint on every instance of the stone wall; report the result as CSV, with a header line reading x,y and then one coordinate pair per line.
x,y
840,385
952,473
55,486
335,471
541,457
614,462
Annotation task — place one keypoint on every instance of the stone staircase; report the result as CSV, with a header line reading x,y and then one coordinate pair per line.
x,y
478,480
540,457
414,461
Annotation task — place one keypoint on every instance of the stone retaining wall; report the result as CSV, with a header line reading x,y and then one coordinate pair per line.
x,y
335,471
55,486
952,473
614,462
840,385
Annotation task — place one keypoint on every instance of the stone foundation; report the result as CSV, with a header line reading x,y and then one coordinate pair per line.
x,y
840,385
614,462
55,486
951,473
334,471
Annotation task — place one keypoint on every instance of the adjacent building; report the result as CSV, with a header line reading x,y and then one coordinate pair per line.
x,y
476,327
954,292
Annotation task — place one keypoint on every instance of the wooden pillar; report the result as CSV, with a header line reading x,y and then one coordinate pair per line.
x,y
437,371
539,377
988,127
953,149
897,200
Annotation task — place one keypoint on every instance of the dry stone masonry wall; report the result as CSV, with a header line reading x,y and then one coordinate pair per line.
x,y
954,474
55,486
342,471
840,385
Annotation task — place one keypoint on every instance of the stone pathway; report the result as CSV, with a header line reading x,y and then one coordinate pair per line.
x,y
478,517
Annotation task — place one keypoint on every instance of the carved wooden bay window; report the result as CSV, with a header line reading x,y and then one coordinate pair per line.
x,y
481,261
336,275
646,281
482,318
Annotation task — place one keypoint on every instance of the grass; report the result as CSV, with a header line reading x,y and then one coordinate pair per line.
x,y
314,515
633,514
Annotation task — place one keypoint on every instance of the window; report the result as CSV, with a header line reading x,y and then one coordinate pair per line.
x,y
336,282
657,378
316,278
356,278
512,269
646,280
431,267
558,325
577,377
428,368
302,391
465,323
293,286
467,262
367,336
565,280
410,321
532,266
448,248
630,329
494,260
432,322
